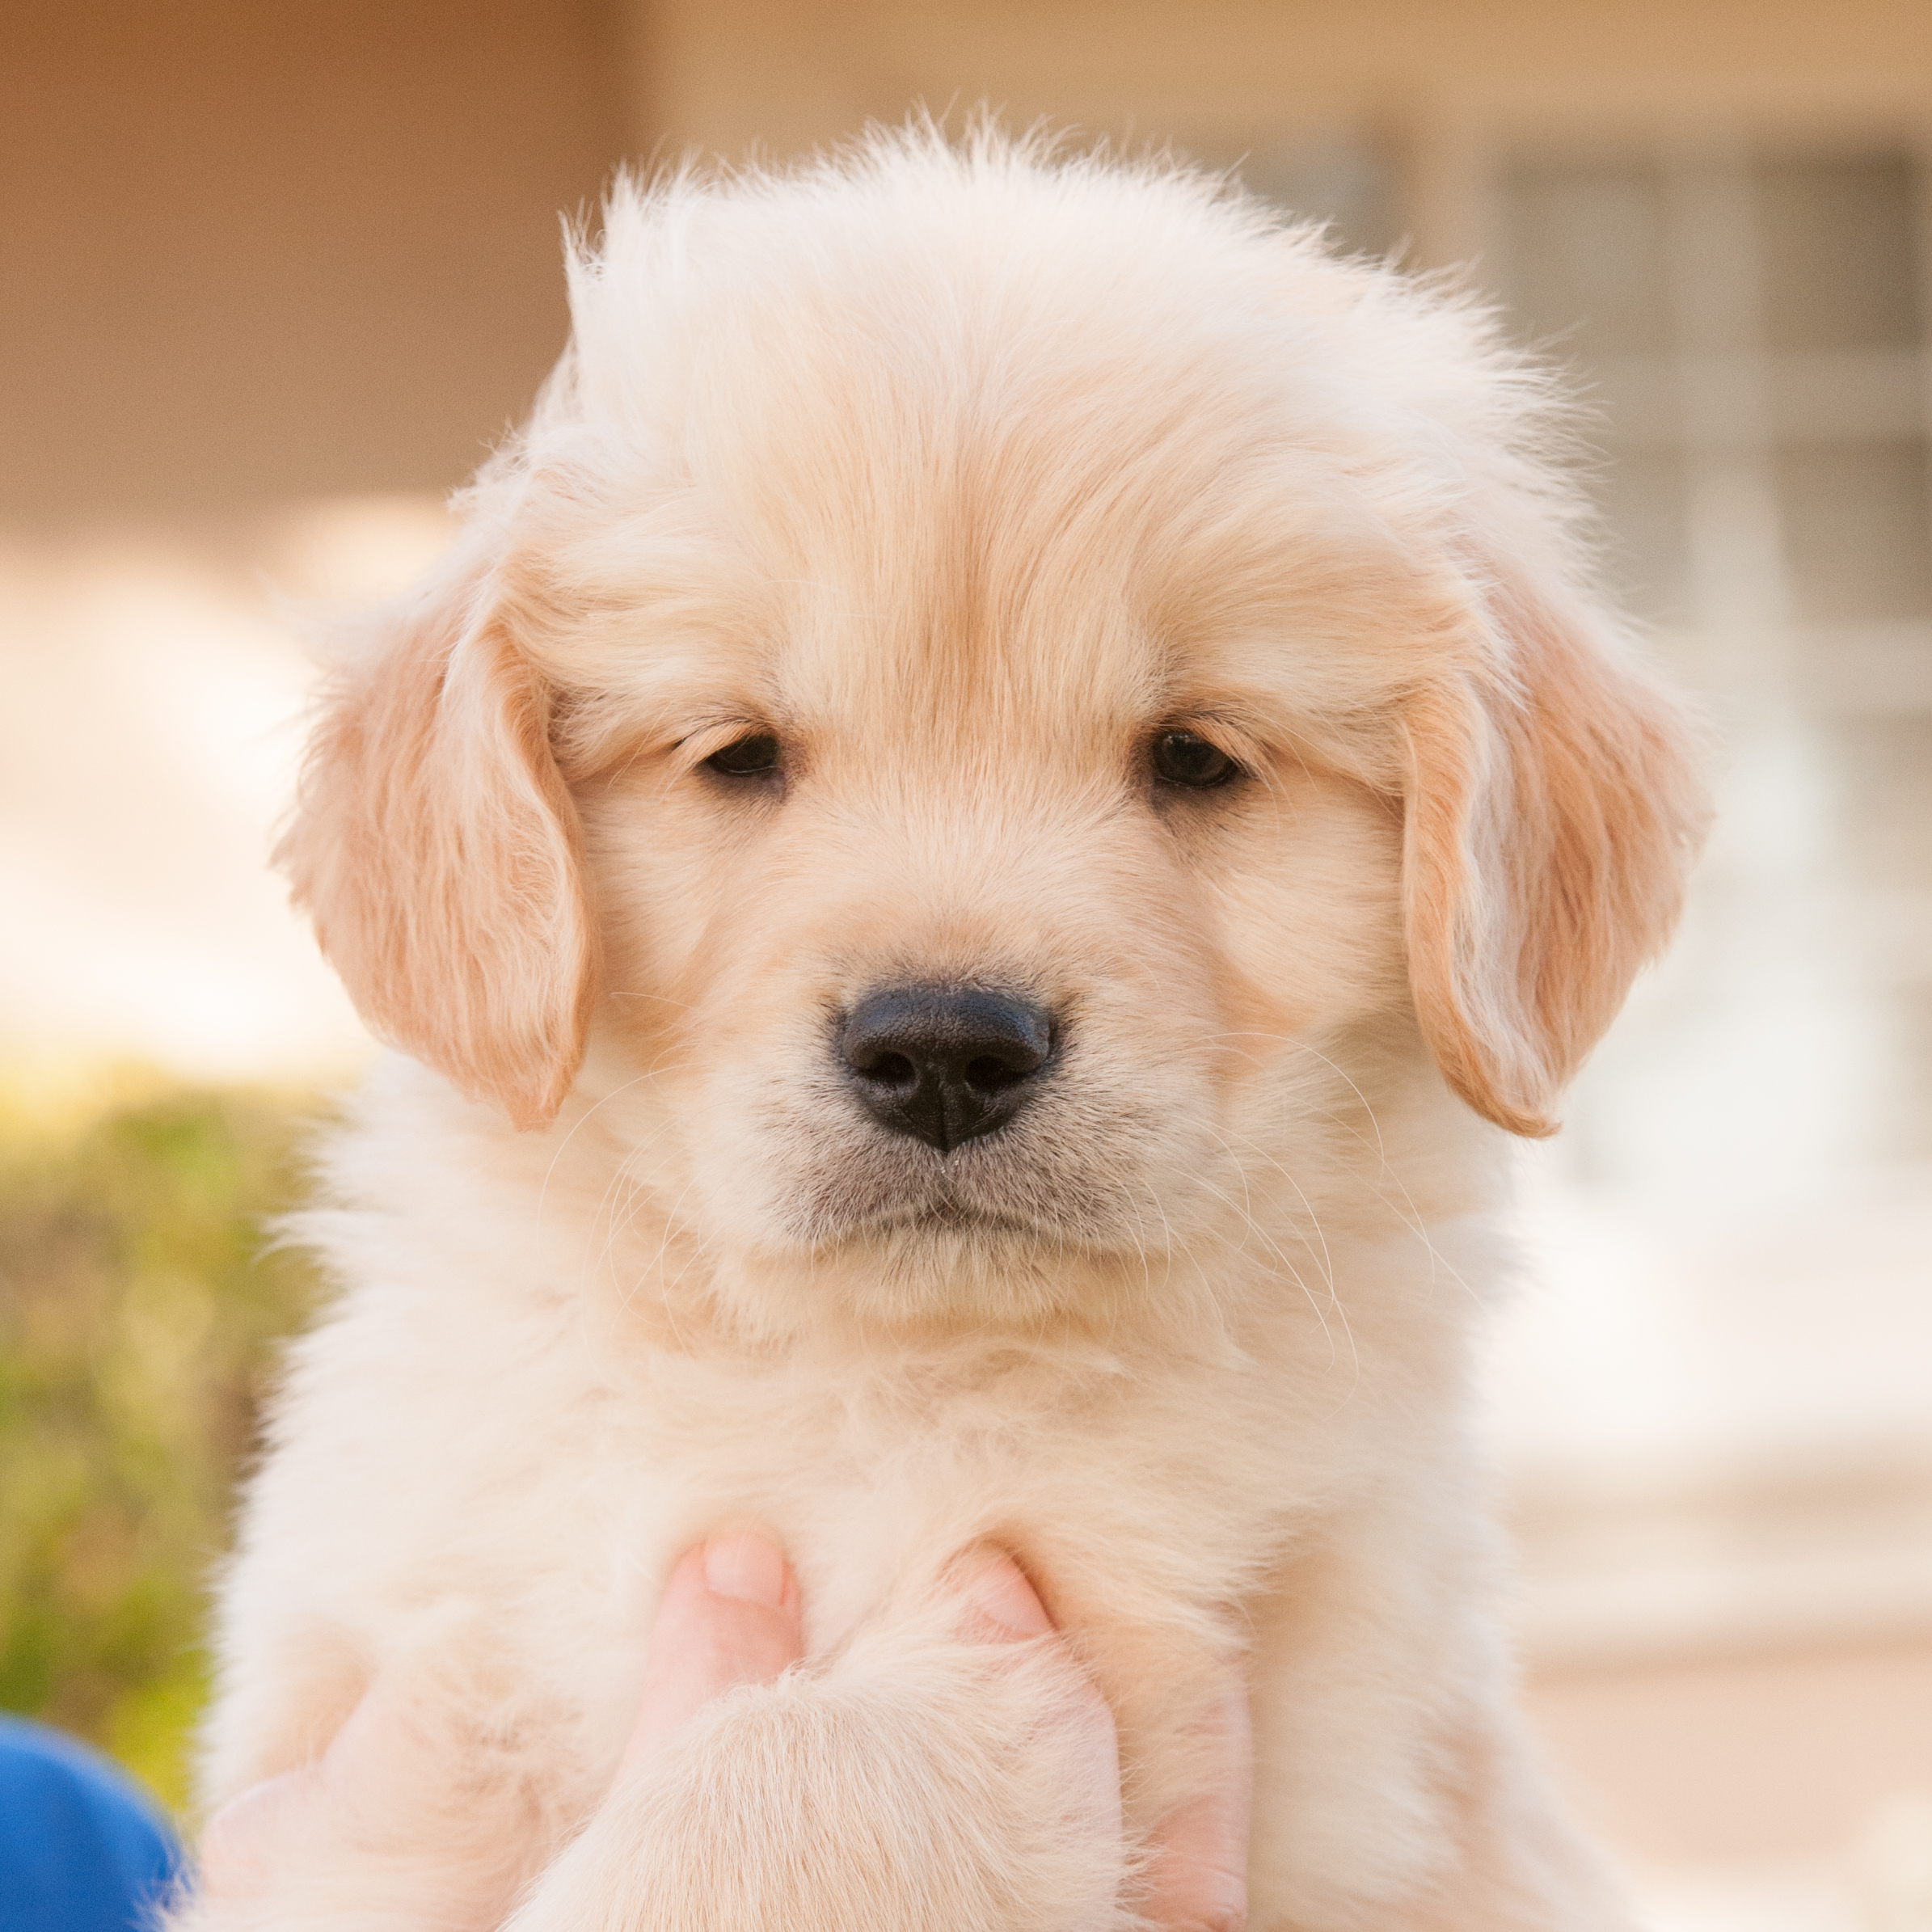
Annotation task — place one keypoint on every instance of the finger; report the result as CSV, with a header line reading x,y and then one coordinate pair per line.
x,y
236,1848
403,1787
1197,1872
376,1755
730,1616
999,1605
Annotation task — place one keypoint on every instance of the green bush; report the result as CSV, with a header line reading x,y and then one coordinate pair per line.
x,y
139,1305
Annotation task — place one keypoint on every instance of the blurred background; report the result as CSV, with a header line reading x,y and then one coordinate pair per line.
x,y
276,277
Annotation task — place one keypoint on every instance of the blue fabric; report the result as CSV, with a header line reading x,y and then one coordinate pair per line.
x,y
81,1850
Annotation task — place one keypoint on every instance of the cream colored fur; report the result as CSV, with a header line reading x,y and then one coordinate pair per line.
x,y
960,471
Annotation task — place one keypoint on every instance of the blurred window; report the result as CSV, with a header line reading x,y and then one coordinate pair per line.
x,y
1344,181
1348,185
1716,1410
1752,329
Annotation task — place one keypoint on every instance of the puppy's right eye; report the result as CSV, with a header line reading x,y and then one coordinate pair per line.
x,y
1186,758
753,758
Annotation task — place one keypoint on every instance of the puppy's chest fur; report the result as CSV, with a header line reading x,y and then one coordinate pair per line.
x,y
544,1458
1148,1499
1129,1485
1149,1502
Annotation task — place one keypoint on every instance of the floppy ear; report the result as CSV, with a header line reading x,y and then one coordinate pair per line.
x,y
1554,806
436,848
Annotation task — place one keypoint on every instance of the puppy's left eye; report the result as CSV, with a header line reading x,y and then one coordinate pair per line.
x,y
1184,758
753,757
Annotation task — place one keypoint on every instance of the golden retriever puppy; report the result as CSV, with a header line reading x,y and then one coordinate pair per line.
x,y
1009,795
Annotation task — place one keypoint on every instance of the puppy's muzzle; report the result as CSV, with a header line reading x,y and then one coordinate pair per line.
x,y
943,1066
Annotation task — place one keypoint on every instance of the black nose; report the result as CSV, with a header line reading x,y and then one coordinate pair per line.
x,y
944,1066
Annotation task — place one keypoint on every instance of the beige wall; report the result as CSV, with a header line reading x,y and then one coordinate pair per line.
x,y
256,250
1753,1758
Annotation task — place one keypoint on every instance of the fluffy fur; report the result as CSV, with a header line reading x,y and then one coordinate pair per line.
x,y
962,472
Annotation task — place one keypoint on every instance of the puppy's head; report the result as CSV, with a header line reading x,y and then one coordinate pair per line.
x,y
1012,697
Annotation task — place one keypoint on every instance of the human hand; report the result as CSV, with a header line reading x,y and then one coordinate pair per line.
x,y
398,1784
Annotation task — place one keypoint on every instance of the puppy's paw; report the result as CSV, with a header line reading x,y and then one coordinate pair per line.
x,y
919,1785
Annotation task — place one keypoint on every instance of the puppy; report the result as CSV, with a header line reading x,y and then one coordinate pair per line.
x,y
1007,798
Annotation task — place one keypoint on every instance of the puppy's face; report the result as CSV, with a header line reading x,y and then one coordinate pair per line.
x,y
951,925
993,819
1024,734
